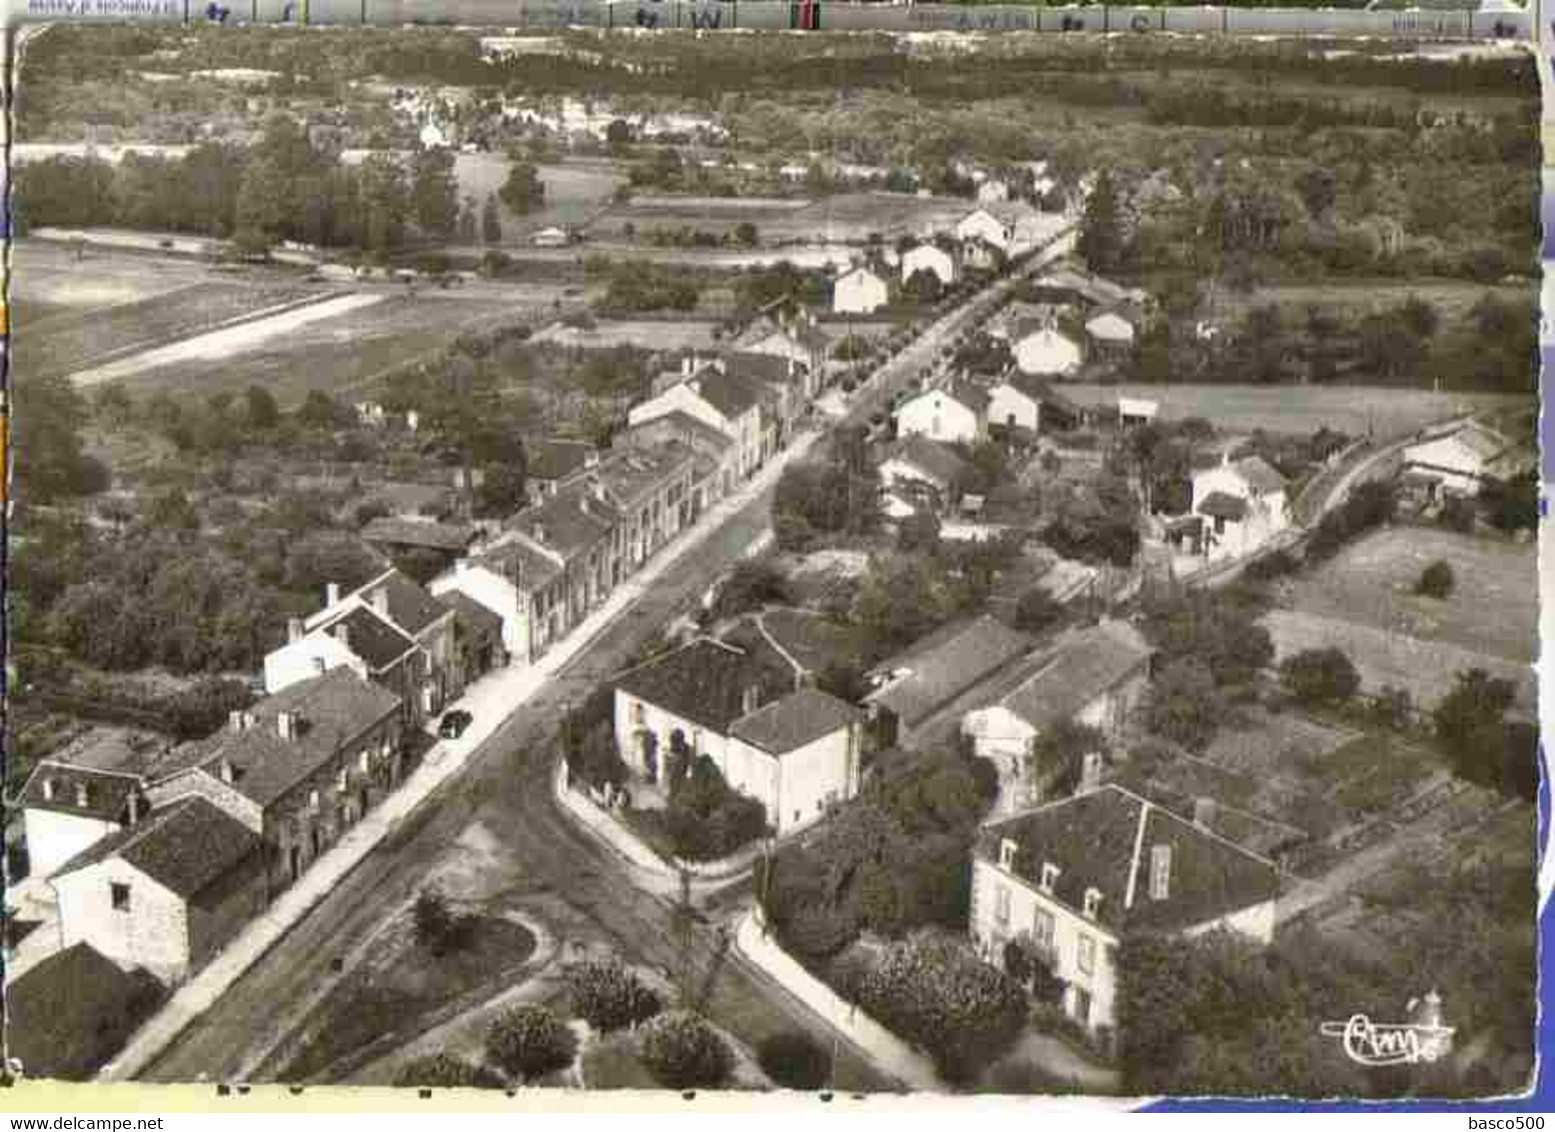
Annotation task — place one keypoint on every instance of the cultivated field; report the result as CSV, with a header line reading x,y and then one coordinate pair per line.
x,y
336,350
1494,608
846,218
647,333
1242,408
1427,669
1356,298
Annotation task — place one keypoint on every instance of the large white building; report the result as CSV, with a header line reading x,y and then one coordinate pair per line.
x,y
932,258
1044,351
724,400
1072,881
1243,505
797,751
1459,462
859,291
959,413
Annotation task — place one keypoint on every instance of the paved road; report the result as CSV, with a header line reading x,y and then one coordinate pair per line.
x,y
505,789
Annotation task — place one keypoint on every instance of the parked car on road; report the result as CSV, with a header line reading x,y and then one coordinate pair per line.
x,y
454,723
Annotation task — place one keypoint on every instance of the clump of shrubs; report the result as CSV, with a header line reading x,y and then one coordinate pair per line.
x,y
444,1071
1436,580
683,1052
794,1060
608,996
528,1041
436,926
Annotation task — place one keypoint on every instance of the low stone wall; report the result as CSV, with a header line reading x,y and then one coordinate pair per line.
x,y
880,1046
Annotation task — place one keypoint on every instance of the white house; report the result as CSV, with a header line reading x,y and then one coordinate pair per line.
x,y
993,191
859,291
795,751
1071,881
726,401
1018,400
1014,227
1045,350
981,224
550,238
1461,460
1243,503
505,579
1094,676
1110,334
929,257
1137,411
956,414
166,892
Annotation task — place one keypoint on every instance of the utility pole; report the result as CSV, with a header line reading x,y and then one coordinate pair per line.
x,y
683,935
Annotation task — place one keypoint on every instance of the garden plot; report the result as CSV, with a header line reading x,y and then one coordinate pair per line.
x,y
334,347
1393,413
648,333
1426,669
51,274
1493,609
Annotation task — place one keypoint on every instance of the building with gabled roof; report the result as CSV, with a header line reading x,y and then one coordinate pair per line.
x,y
1243,503
399,536
1462,460
515,580
920,471
1072,881
729,402
910,687
957,413
68,1015
550,463
795,749
932,258
82,793
1043,349
859,291
167,891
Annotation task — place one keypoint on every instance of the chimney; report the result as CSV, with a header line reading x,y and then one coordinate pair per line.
x,y
1225,458
226,767
1090,771
381,602
293,630
591,458
343,635
686,366
1204,813
134,805
539,532
332,595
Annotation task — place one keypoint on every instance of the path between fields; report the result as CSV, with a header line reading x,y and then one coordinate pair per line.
x,y
218,345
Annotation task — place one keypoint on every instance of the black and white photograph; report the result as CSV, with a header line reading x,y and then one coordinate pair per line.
x,y
669,556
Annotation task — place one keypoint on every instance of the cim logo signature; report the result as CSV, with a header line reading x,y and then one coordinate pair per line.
x,y
1395,1043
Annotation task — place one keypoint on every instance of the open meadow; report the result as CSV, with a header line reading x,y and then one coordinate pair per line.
x,y
1392,413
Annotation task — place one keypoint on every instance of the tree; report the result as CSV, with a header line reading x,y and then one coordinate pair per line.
x,y
442,1070
1037,611
1436,580
319,411
923,287
51,463
1218,630
745,234
1320,676
435,191
918,533
608,996
262,413
751,585
1184,705
1058,754
171,510
502,491
491,231
1513,505
794,1060
523,191
436,926
528,1041
683,1052
619,132
467,221
1101,240
1467,715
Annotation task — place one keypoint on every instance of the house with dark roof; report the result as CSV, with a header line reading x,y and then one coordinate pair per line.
x,y
1094,676
918,472
651,487
797,338
390,630
1031,401
551,463
795,749
910,687
298,768
68,1015
1243,504
1460,461
957,413
477,638
515,580
1070,882
167,891
577,529
715,459
809,642
726,400
405,536
82,793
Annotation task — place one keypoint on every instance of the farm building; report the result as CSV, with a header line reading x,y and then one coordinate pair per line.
x,y
1244,506
1109,336
958,413
1459,462
1075,879
550,238
859,291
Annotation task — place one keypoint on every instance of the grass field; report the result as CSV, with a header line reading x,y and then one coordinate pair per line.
x,y
334,354
1427,669
51,276
647,333
1348,409
1453,299
845,218
1493,610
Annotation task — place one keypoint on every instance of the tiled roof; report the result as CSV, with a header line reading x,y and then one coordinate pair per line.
x,y
1010,211
570,522
1481,441
1041,389
335,707
107,792
1105,838
629,474
769,368
184,846
944,664
55,1012
1081,668
1111,327
1220,505
408,532
535,570
705,681
410,607
1257,472
794,721
693,431
729,393
478,620
556,459
812,640
377,641
936,459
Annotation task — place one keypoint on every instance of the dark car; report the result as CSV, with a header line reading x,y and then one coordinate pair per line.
x,y
454,723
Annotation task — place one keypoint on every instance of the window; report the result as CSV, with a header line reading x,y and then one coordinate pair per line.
x,y
342,780
1092,901
1087,954
1049,876
796,815
48,789
313,800
1042,929
635,713
83,794
119,894
1001,903
366,761
1160,872
1007,850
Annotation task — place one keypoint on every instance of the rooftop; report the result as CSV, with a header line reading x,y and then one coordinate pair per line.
x,y
1107,839
409,532
556,459
410,607
1220,505
570,522
694,431
377,641
706,681
1082,666
944,664
58,1012
811,640
795,721
184,846
631,473
936,459
472,614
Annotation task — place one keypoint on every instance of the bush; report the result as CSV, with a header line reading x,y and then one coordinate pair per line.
x,y
750,585
201,709
444,1071
609,997
1278,564
529,1041
1320,676
1436,580
794,1060
435,926
683,1052
1037,611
